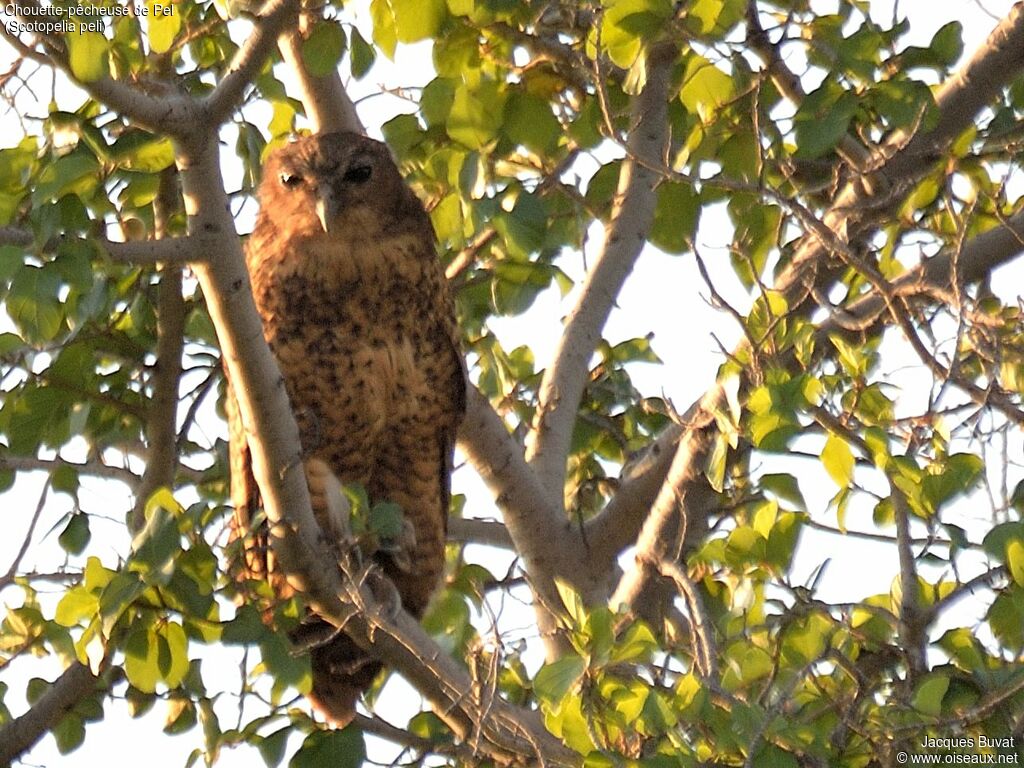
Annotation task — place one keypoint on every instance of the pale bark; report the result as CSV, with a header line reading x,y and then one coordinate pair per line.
x,y
23,732
625,236
851,218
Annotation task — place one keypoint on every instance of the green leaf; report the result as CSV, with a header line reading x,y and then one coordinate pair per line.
x,y
572,601
181,715
1015,560
806,639
75,536
947,44
418,19
1000,536
384,32
142,659
901,103
838,460
33,304
1006,617
705,88
122,590
331,749
676,213
272,747
782,540
172,653
78,603
157,544
476,114
283,118
323,47
361,53
929,694
69,733
556,679
143,152
628,24
386,520
744,546
529,121
287,668
823,119
785,488
163,23
714,16
955,475
76,173
636,646
87,55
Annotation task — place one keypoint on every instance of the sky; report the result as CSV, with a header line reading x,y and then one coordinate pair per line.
x,y
669,284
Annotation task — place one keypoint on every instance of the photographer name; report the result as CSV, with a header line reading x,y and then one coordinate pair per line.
x,y
969,742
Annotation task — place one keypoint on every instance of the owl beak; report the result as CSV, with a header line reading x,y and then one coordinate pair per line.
x,y
327,208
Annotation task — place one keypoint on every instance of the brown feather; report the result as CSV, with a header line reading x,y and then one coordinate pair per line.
x,y
363,328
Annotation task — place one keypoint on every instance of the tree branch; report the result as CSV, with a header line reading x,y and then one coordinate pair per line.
x,y
328,107
617,525
958,101
162,416
274,17
857,209
94,468
470,530
22,733
625,236
170,250
678,516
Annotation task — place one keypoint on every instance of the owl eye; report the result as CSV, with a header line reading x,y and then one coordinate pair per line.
x,y
291,180
358,174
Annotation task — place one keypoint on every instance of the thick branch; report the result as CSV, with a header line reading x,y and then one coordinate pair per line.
x,y
625,236
862,204
540,532
959,100
679,515
617,525
468,530
977,259
22,733
162,416
170,250
274,17
328,107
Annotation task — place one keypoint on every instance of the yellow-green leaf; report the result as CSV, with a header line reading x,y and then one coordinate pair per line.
x,y
87,55
1015,560
838,460
164,23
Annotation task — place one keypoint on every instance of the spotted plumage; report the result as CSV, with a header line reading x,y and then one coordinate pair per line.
x,y
356,309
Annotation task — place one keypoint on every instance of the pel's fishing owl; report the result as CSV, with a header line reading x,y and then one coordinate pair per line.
x,y
356,309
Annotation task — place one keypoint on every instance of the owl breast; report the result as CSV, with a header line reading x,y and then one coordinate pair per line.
x,y
358,312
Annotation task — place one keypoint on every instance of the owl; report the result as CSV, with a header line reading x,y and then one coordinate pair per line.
x,y
356,309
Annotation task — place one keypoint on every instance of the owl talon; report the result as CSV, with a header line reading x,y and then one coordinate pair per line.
x,y
327,501
386,594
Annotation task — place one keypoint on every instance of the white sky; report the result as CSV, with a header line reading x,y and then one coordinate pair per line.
x,y
664,295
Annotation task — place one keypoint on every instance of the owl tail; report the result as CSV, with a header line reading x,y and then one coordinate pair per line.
x,y
341,672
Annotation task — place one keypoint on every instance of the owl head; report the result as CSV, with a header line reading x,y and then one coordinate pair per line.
x,y
342,182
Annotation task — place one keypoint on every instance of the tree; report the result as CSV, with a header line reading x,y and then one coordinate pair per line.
x,y
870,194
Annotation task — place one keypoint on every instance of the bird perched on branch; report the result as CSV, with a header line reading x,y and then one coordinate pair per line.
x,y
356,310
